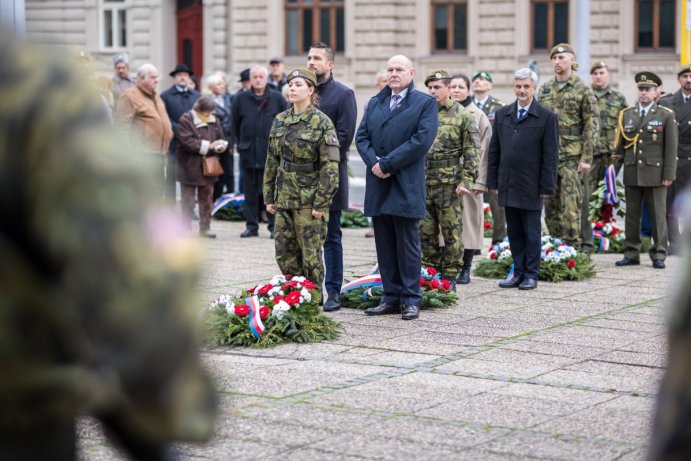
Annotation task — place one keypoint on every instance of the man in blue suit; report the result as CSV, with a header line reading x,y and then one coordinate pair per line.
x,y
522,166
396,132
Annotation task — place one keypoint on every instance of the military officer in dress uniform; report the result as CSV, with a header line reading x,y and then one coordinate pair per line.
x,y
579,125
680,104
647,138
481,86
450,171
611,102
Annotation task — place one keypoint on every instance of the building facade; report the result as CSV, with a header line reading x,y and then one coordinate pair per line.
x,y
498,36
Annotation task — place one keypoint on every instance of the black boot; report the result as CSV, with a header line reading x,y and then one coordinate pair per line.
x,y
464,277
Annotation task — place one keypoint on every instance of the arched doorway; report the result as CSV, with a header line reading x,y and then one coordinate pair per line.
x,y
190,26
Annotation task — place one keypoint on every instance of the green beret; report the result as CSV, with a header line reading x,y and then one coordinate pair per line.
x,y
646,79
304,73
684,69
438,75
482,74
598,65
561,48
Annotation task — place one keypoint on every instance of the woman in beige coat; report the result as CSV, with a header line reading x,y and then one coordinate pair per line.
x,y
473,231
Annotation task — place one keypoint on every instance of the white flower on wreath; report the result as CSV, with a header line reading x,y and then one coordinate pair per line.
x,y
503,245
505,254
567,251
278,280
274,291
280,309
230,307
305,295
553,256
298,279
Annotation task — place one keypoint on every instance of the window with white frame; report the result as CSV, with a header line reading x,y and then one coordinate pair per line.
x,y
113,24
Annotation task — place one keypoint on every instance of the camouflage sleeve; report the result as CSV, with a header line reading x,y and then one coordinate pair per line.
x,y
471,151
271,167
328,171
590,114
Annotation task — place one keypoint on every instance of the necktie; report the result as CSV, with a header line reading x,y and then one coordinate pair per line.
x,y
394,101
643,113
478,104
686,98
521,114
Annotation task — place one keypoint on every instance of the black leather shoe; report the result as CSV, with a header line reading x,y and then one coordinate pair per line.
x,y
464,277
273,235
627,262
659,264
528,284
410,312
383,309
249,233
333,303
513,282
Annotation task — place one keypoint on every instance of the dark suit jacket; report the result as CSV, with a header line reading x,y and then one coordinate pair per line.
x,y
401,138
682,112
223,113
177,103
522,157
337,101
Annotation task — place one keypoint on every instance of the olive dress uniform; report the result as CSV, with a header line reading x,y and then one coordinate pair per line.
x,y
301,175
649,147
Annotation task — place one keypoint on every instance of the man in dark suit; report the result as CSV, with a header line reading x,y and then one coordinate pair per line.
x,y
337,101
647,139
178,99
396,132
522,167
680,103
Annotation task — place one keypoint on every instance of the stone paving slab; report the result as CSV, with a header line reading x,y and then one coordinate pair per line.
x,y
566,372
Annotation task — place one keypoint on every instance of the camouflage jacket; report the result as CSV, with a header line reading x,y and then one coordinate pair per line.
x,y
579,117
610,102
302,162
453,157
491,106
98,280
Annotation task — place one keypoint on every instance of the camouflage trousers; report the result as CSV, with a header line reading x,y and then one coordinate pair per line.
x,y
299,241
563,209
445,216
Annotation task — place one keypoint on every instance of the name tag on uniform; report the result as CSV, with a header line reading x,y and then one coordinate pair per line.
x,y
546,89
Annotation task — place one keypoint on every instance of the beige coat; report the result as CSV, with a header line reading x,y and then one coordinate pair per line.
x,y
473,231
143,114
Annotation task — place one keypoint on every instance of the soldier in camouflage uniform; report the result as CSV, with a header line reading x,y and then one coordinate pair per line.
x,y
610,102
450,171
482,85
300,179
98,288
579,124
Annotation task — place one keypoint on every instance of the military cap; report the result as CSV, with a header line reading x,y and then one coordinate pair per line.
x,y
562,48
304,73
684,69
647,79
598,65
482,74
244,75
276,60
121,57
437,75
181,68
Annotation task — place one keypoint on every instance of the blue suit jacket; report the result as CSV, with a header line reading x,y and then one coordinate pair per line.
x,y
401,138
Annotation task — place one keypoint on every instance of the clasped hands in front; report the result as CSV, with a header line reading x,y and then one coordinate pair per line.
x,y
377,171
315,214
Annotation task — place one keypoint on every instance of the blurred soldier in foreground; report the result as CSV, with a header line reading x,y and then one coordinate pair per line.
x,y
97,284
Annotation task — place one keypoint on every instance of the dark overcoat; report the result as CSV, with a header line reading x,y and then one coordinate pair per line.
x,y
177,103
192,134
252,117
401,138
523,155
337,101
223,113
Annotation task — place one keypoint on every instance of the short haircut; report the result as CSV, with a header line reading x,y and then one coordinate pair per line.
x,y
214,79
524,73
463,77
330,56
264,70
144,70
205,104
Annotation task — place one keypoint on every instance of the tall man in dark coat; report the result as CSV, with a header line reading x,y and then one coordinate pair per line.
x,y
396,132
680,103
522,167
337,101
178,100
253,112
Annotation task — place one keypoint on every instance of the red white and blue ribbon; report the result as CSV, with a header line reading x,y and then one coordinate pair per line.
x,y
611,186
604,241
256,325
224,200
510,276
367,281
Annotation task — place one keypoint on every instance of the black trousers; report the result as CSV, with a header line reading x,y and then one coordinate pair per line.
x,y
399,256
523,228
254,201
226,182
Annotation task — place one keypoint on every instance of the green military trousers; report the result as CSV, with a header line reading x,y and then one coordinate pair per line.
x,y
563,209
444,215
657,201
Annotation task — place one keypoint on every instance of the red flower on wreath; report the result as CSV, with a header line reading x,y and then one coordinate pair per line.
x,y
278,299
571,264
242,310
493,255
251,290
433,284
288,276
487,225
423,282
264,312
309,285
265,289
293,298
431,271
446,284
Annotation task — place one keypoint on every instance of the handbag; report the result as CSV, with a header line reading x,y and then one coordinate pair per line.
x,y
211,166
